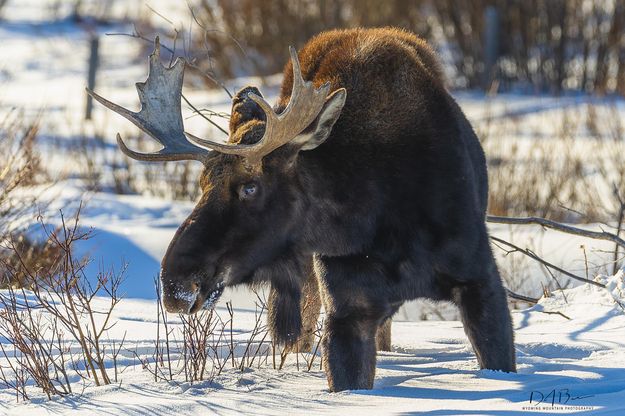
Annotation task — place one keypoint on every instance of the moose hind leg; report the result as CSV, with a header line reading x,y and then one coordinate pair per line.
x,y
310,307
383,337
486,319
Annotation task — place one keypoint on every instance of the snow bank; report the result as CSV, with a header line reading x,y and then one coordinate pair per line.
x,y
587,300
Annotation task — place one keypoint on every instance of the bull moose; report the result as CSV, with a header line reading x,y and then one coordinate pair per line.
x,y
365,183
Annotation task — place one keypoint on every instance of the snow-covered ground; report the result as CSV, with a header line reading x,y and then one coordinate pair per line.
x,y
577,364
568,362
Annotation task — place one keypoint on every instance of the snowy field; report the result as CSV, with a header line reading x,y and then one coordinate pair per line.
x,y
568,362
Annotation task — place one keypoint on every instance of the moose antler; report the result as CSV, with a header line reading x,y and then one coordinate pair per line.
x,y
161,117
304,106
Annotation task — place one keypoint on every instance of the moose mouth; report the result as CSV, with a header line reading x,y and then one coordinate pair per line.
x,y
207,300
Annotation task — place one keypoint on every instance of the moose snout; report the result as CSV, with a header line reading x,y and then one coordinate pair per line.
x,y
179,296
189,294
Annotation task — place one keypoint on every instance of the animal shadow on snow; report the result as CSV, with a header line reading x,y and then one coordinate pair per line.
x,y
540,369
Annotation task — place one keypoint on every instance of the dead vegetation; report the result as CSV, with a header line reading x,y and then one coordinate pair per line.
x,y
20,170
106,169
539,46
564,167
203,346
546,46
253,36
55,322
20,167
549,168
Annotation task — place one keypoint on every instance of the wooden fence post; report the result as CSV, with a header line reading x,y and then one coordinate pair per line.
x,y
94,60
491,45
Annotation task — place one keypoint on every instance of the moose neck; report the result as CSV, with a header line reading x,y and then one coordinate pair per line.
x,y
327,185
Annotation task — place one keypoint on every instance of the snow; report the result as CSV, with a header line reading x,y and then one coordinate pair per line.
x,y
569,346
578,363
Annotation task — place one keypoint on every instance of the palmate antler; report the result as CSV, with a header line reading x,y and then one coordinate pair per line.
x,y
161,117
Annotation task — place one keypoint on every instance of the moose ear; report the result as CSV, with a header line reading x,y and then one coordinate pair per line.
x,y
319,130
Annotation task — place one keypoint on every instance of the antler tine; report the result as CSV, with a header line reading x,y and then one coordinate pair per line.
x,y
160,115
304,106
298,80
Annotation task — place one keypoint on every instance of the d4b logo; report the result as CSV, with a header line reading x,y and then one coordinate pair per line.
x,y
554,397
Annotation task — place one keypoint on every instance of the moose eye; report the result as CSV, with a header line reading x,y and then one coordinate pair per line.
x,y
248,191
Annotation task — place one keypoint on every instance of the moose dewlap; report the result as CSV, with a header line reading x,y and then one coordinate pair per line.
x,y
362,188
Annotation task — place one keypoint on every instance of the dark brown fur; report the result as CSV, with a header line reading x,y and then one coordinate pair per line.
x,y
389,207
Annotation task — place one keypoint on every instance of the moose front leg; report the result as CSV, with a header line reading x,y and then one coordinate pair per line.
x,y
354,314
349,351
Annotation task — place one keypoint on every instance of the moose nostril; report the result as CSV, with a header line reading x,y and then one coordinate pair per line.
x,y
180,296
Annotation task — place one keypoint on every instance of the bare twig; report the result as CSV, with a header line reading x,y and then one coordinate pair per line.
x,y
201,114
60,303
533,256
136,35
319,335
621,217
555,313
523,298
599,235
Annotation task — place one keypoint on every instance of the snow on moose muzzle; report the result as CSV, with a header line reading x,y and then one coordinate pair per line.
x,y
191,298
209,301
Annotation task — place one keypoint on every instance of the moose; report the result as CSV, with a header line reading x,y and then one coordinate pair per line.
x,y
365,186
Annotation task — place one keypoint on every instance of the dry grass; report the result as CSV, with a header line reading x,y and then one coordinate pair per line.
x,y
20,169
249,36
566,167
546,46
567,170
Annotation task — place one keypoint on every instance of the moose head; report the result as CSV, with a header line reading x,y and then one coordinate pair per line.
x,y
252,197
